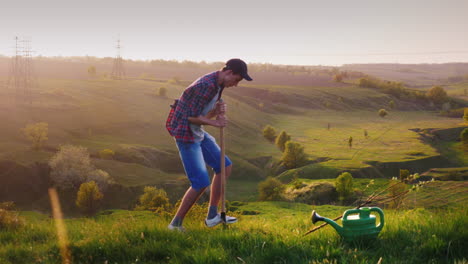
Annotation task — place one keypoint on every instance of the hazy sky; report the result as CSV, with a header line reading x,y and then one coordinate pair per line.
x,y
303,32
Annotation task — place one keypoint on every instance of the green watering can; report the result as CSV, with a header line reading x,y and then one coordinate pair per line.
x,y
358,224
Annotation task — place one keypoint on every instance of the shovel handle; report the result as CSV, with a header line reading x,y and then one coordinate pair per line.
x,y
223,175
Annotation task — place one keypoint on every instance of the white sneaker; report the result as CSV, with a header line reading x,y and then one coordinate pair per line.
x,y
176,228
217,220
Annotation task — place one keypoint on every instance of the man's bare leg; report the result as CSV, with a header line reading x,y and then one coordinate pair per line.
x,y
189,199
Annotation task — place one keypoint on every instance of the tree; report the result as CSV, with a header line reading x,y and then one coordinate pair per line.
x,y
281,140
269,133
464,136
344,185
391,104
338,77
162,91
437,95
88,198
71,166
366,135
92,71
271,190
293,156
383,113
465,115
350,142
153,199
36,133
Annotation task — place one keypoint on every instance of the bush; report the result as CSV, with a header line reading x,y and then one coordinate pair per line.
x,y
36,133
88,198
153,199
271,190
8,219
391,104
269,133
106,154
162,92
383,113
338,77
293,155
344,185
281,140
437,95
464,136
71,166
404,175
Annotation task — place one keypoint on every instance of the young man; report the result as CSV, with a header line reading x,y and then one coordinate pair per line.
x,y
200,105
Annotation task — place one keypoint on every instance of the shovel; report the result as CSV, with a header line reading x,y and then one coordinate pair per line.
x,y
223,176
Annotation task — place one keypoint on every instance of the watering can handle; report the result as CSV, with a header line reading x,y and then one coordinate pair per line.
x,y
378,210
350,211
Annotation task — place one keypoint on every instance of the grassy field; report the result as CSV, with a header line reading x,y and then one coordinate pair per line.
x,y
274,236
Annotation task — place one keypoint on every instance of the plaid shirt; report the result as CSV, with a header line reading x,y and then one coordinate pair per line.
x,y
190,104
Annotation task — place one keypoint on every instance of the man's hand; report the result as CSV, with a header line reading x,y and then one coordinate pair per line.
x,y
220,121
220,108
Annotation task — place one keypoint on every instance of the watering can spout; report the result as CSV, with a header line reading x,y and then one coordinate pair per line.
x,y
316,217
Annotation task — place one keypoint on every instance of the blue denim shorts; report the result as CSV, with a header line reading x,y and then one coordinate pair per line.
x,y
195,156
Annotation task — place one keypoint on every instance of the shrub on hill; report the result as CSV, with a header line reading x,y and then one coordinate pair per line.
x,y
383,113
9,220
71,166
281,140
88,198
36,133
269,133
465,115
338,77
464,136
271,189
153,199
293,155
437,95
404,175
344,185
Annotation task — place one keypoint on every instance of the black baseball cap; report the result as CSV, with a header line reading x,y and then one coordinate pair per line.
x,y
238,66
